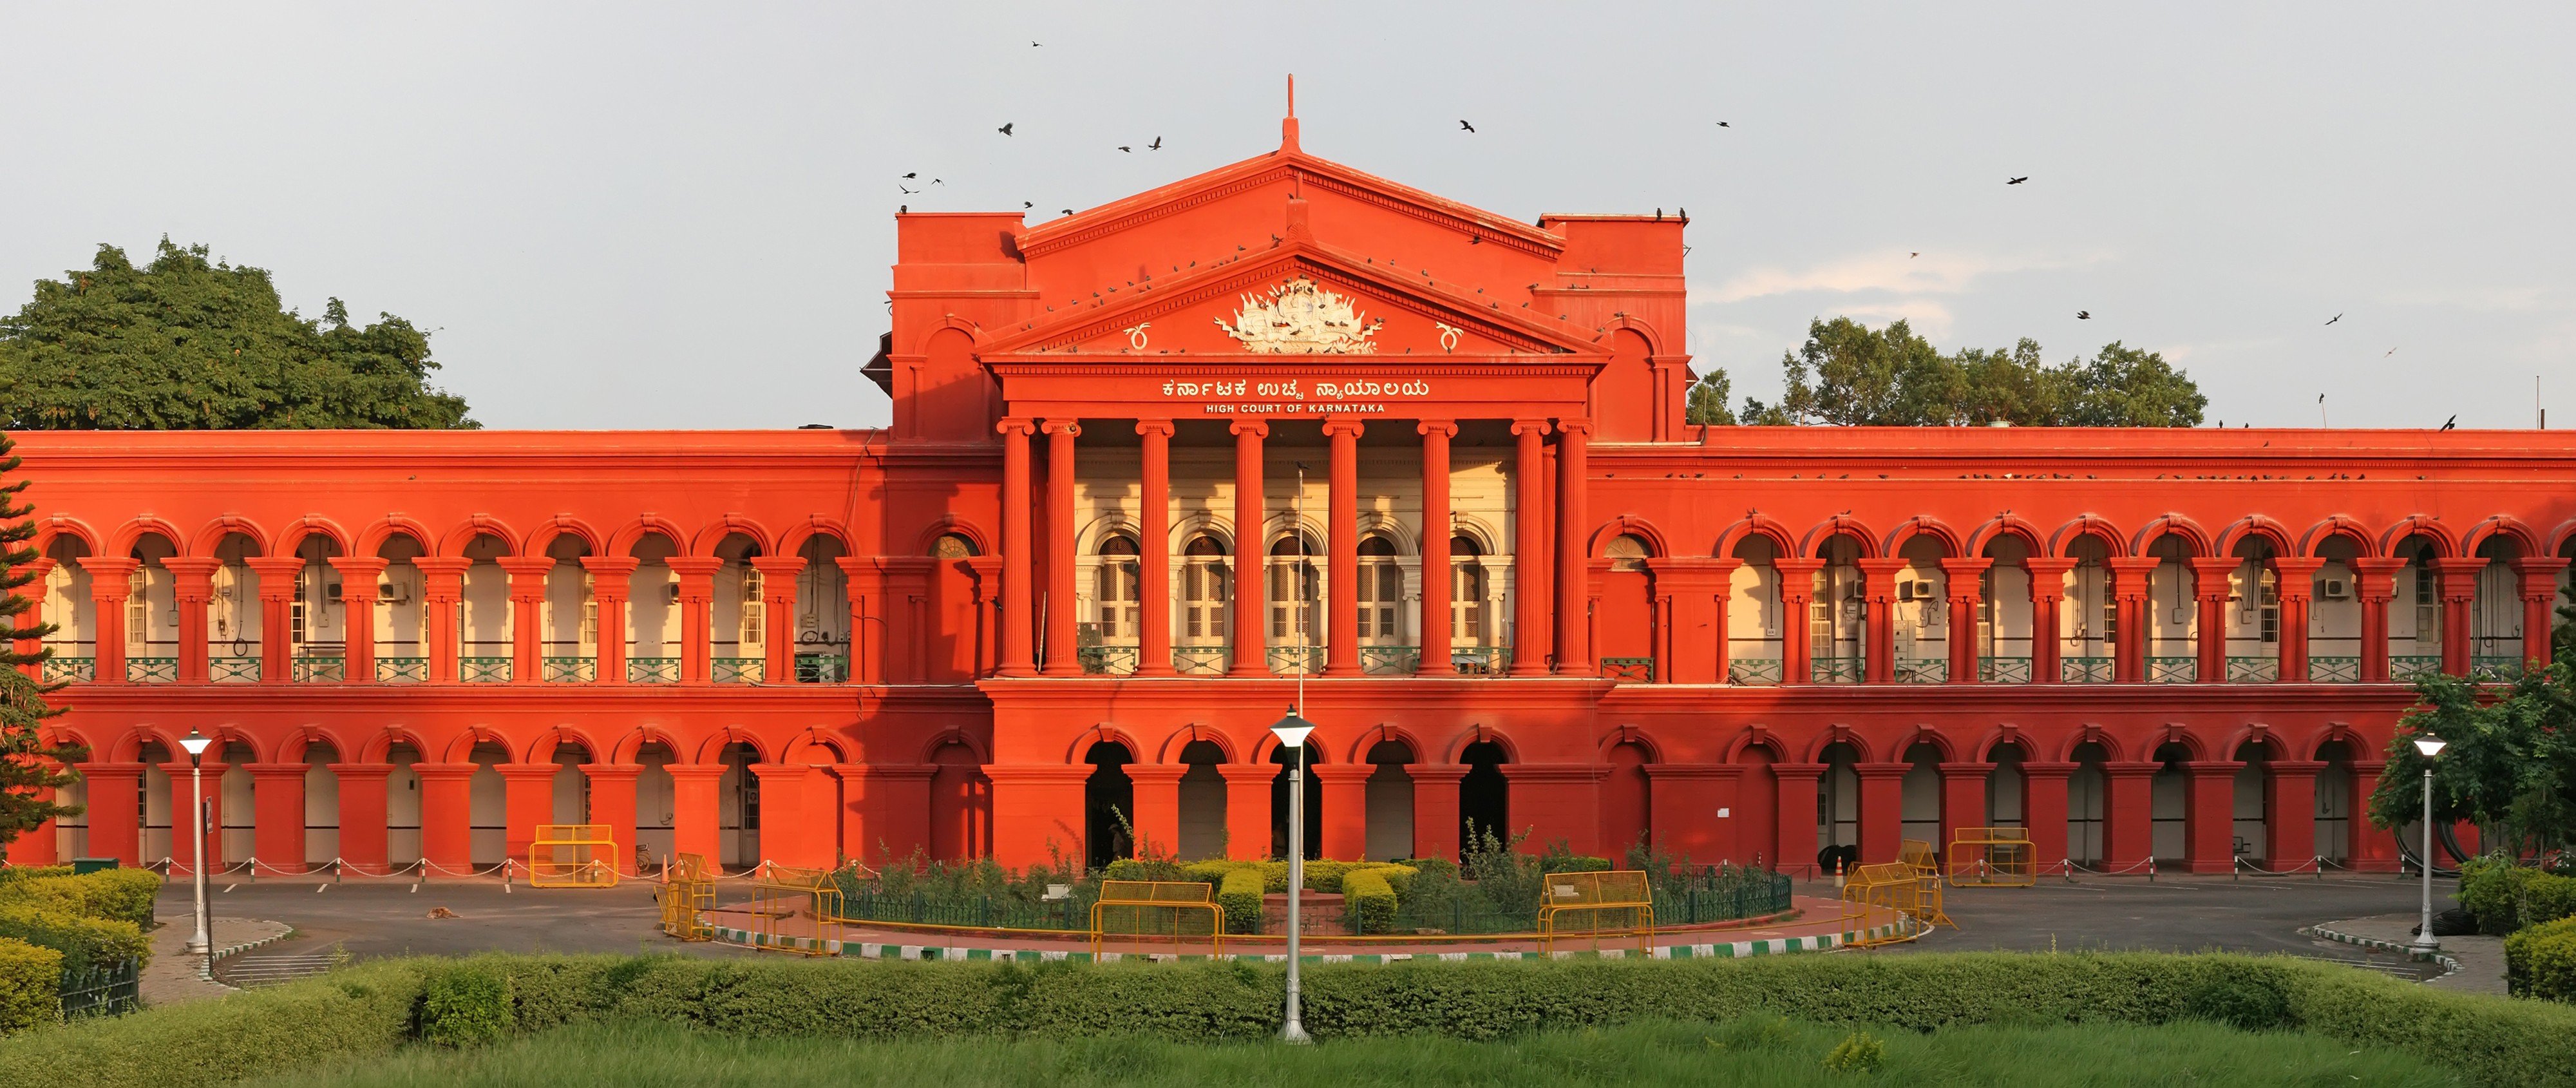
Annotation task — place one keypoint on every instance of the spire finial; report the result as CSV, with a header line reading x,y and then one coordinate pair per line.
x,y
1288,125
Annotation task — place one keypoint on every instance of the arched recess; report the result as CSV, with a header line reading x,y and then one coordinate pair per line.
x,y
2338,527
1623,393
1949,541
1108,802
2431,531
1284,756
1626,623
2062,542
1388,797
2194,539
1484,794
961,799
1864,540
958,632
1755,821
1627,795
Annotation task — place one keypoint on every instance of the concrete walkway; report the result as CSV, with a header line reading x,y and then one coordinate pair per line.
x,y
174,976
2481,957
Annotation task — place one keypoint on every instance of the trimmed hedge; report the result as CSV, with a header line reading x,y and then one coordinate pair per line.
x,y
1239,894
1370,900
1321,876
30,872
371,1008
123,895
30,984
2540,961
2506,897
83,942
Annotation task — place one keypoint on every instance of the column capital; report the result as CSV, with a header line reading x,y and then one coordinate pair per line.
x,y
1973,566
1343,425
2295,766
610,567
1063,426
612,772
1959,770
1694,772
365,567
2131,768
276,770
1445,428
705,771
104,570
1787,565
1577,427
1798,771
1253,427
527,770
1882,770
1015,425
2206,567
2046,769
1157,772
2048,565
1529,426
778,566
1330,773
276,575
2212,768
348,771
1154,426
693,566
1435,772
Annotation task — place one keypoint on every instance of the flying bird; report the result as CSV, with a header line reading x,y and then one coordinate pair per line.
x,y
2018,180
1124,147
2446,424
1034,45
1157,145
914,174
936,181
1463,124
1006,128
1723,124
2083,315
1911,256
899,185
1026,204
2335,318
2389,352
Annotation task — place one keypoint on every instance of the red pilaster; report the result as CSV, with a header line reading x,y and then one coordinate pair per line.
x,y
2047,588
446,816
1247,808
442,582
110,583
1061,612
277,815
528,799
2292,822
1882,809
358,575
2458,585
277,577
193,580
2374,848
1436,584
1560,800
874,645
528,575
1694,634
696,575
2298,576
1019,596
2128,830
693,809
612,805
1435,808
988,590
1878,585
778,574
362,815
2375,581
1797,817
2209,585
1685,800
1251,581
1530,641
1965,580
1963,802
1154,566
1797,656
2129,574
2209,835
1573,594
612,578
1158,805
115,791
1345,803
1038,809
888,813
2538,579
904,582
788,834
2043,809
1342,567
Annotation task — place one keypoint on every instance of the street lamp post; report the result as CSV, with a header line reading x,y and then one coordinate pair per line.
x,y
196,743
2424,939
1292,731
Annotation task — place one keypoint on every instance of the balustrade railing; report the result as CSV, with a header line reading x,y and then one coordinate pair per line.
x,y
2173,670
151,670
2262,669
1753,671
1390,660
2085,670
570,670
70,670
2408,668
2335,670
1628,670
1922,670
1291,660
1107,660
1835,670
1200,660
402,670
2004,670
736,670
319,670
822,668
1480,660
652,670
483,670
233,670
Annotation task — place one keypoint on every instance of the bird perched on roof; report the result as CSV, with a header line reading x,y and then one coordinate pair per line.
x,y
2446,424
1068,211
1465,125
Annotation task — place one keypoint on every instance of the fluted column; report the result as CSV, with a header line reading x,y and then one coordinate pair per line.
x,y
442,584
1342,568
1573,553
2047,588
1154,561
277,577
1017,656
1251,584
2539,584
528,575
1530,636
192,578
1434,535
2298,586
111,582
612,580
778,574
2375,582
358,576
1965,581
1060,609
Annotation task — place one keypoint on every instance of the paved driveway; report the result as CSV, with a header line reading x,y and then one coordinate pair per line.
x,y
389,919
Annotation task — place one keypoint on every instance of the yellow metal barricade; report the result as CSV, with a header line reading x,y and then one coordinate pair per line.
x,y
780,894
572,856
1616,902
687,893
1993,857
1158,908
1920,855
1894,886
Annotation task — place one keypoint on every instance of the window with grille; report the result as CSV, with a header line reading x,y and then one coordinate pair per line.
x,y
1381,589
138,611
755,611
1204,590
1468,589
1292,591
1116,586
2428,604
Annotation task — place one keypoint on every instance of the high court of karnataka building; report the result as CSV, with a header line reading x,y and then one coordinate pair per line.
x,y
1151,464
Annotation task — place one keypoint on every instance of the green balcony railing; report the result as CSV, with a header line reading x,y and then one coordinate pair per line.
x,y
483,670
2085,670
2335,670
402,670
1291,660
2173,670
233,670
569,670
1200,660
70,670
2496,668
736,670
1390,660
822,668
319,670
1753,671
2408,668
652,670
2004,670
1923,670
1835,670
2262,669
151,670
1628,670
1107,660
1480,660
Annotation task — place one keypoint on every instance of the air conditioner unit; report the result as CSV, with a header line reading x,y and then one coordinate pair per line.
x,y
671,593
1914,591
331,592
2334,589
393,592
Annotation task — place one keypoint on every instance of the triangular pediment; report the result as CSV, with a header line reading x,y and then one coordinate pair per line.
x,y
1301,299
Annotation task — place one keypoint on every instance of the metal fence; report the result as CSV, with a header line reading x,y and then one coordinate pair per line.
x,y
107,989
984,911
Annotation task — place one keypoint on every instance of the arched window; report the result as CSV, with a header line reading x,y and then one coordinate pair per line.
x,y
1381,590
1204,590
951,546
1469,592
1293,595
1115,587
1628,553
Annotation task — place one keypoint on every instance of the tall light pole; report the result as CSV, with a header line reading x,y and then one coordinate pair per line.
x,y
196,744
2431,746
1292,731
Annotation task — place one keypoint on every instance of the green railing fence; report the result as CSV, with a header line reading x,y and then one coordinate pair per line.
x,y
2085,670
652,670
1390,660
151,670
822,668
737,670
402,670
2172,670
571,670
1754,671
1835,670
2004,670
1629,670
319,670
233,670
483,670
69,670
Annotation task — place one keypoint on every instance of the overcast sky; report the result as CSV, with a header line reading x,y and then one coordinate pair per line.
x,y
629,215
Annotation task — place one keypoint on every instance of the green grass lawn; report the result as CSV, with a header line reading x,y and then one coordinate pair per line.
x,y
1753,1051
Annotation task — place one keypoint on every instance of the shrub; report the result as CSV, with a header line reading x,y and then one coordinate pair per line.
x,y
30,981
2506,897
2548,897
2541,961
1368,899
122,895
2243,1003
30,872
83,942
466,1004
355,1011
1859,1052
1239,896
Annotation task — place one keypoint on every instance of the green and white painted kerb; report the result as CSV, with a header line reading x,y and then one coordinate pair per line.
x,y
952,953
2450,966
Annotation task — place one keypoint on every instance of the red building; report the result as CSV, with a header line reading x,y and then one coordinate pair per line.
x,y
1151,462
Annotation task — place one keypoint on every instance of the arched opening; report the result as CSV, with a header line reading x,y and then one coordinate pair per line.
x,y
73,612
820,628
487,806
1838,809
1389,796
2087,792
2006,790
2495,616
2169,804
319,637
1296,601
568,639
1921,612
401,620
1919,796
656,806
2334,807
152,614
653,613
321,804
2088,622
1108,804
156,808
739,643
1202,801
1206,593
2004,612
1313,824
2415,615
2172,612
1381,603
1475,648
570,803
234,620
484,622
738,807
2334,645
2252,810
1838,620
1484,795
1626,624
1627,803
1108,642
1753,614
961,804
402,806
957,628
71,833
237,808
2253,615
1756,814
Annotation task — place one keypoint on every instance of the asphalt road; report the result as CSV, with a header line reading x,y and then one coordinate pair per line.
x,y
390,919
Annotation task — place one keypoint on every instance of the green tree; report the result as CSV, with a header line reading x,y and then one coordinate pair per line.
x,y
1707,403
2509,761
30,769
1847,374
187,343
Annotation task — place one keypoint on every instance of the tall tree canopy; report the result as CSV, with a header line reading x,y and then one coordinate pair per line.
x,y
1850,375
31,768
187,343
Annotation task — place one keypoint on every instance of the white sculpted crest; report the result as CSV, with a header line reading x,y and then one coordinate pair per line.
x,y
1300,318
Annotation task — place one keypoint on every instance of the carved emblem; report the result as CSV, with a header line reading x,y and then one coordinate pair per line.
x,y
1299,318
1448,336
1136,335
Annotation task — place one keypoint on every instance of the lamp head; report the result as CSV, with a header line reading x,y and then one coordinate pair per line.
x,y
196,743
1292,730
2430,746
